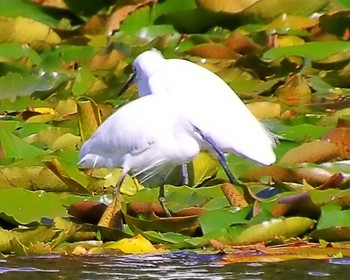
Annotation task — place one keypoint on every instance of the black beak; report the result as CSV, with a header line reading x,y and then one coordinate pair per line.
x,y
127,84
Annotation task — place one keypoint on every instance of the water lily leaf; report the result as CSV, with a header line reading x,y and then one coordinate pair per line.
x,y
16,51
287,21
341,138
334,196
56,139
25,236
139,18
17,206
296,91
27,31
316,151
16,148
338,77
185,223
286,253
83,82
225,6
13,85
17,8
303,131
134,245
204,166
333,216
175,240
249,87
68,173
282,228
211,50
30,177
333,62
265,109
300,204
223,218
262,9
336,22
234,195
311,50
89,118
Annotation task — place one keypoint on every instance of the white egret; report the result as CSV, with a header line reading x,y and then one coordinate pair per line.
x,y
223,120
146,137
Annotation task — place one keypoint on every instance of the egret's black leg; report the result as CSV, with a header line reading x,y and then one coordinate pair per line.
x,y
221,156
161,198
184,174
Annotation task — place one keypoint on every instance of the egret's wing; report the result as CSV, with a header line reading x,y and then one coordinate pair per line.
x,y
212,106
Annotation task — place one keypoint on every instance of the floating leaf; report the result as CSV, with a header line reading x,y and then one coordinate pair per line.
x,y
16,148
316,151
68,173
282,228
134,245
16,209
89,118
311,50
25,236
26,31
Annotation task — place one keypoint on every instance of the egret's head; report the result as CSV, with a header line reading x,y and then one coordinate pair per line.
x,y
146,63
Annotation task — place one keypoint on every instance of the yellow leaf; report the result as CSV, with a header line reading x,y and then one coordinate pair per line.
x,y
134,245
26,31
265,109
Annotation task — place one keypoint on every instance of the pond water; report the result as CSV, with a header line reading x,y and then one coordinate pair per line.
x,y
169,266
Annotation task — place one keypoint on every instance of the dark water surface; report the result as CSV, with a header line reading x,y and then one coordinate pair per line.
x,y
169,266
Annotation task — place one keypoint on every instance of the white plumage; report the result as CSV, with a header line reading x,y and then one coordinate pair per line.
x,y
208,103
183,109
144,137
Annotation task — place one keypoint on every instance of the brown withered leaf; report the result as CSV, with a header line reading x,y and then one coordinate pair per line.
x,y
315,151
315,176
340,136
233,195
120,13
283,174
210,50
334,181
241,43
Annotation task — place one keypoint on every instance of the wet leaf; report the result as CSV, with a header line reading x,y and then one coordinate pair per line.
x,y
286,253
25,236
282,228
